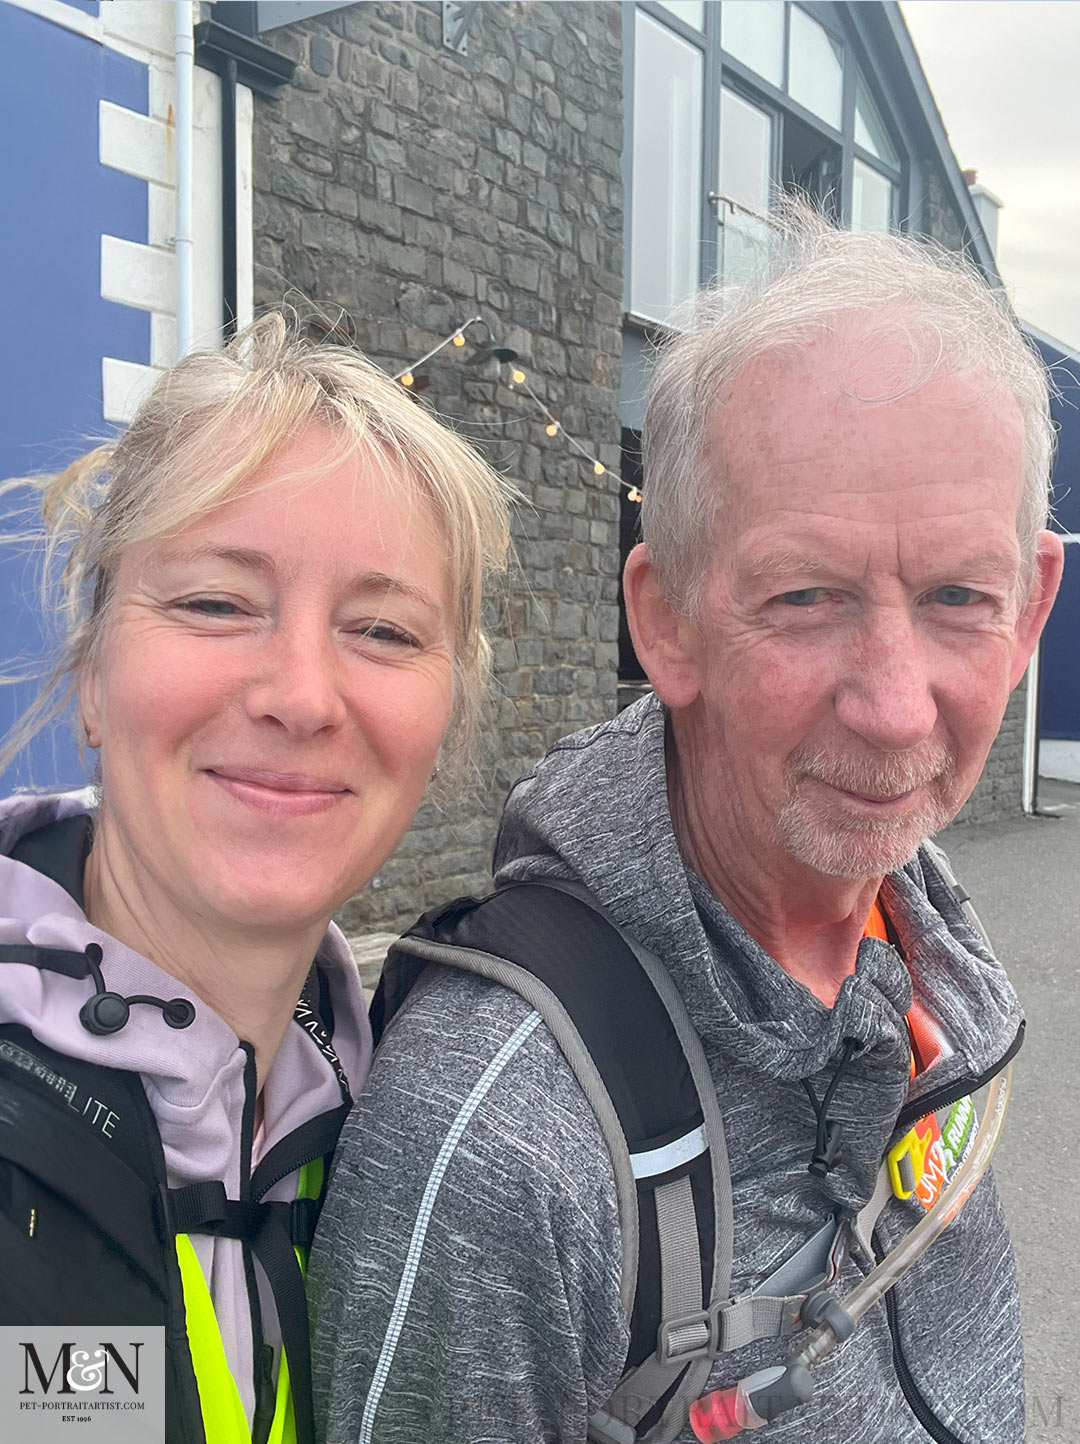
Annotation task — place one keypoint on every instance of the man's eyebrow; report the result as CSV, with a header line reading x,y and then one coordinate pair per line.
x,y
991,566
987,565
785,564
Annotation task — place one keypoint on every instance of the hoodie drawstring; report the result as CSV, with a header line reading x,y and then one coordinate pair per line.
x,y
827,1143
108,1012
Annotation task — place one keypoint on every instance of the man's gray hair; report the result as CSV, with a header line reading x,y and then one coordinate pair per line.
x,y
812,277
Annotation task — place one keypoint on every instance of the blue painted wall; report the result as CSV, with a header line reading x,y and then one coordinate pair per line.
x,y
57,202
1059,711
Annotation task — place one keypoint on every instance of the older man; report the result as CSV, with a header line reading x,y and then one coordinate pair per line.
x,y
843,575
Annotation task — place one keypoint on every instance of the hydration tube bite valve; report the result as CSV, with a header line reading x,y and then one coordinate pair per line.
x,y
751,1403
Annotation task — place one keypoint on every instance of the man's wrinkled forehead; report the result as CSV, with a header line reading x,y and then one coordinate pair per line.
x,y
859,414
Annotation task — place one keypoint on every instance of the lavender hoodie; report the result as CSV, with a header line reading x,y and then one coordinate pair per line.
x,y
194,1080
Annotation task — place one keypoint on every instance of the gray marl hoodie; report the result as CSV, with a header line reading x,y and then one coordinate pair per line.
x,y
466,1282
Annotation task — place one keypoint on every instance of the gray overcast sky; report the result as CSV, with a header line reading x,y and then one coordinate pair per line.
x,y
1006,77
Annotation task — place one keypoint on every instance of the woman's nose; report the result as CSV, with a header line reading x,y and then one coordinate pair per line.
x,y
298,683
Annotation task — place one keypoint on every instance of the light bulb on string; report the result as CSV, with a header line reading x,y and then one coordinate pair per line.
x,y
633,494
599,468
517,376
459,339
552,428
407,378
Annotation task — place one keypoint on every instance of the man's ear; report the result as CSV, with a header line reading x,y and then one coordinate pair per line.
x,y
1049,564
665,641
90,706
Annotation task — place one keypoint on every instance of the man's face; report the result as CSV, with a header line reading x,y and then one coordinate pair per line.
x,y
863,621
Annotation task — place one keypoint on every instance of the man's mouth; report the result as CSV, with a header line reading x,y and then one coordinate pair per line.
x,y
880,800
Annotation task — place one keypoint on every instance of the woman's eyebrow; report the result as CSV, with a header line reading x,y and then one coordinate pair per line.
x,y
363,583
381,582
239,556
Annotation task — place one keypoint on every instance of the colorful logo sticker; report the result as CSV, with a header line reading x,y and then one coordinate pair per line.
x,y
927,1156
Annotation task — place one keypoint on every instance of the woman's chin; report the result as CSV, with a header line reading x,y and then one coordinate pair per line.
x,y
277,910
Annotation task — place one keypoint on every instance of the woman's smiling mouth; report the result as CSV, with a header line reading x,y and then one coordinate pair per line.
x,y
285,793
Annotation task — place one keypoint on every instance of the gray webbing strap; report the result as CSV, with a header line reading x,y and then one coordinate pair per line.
x,y
758,1316
680,1262
680,1298
864,1222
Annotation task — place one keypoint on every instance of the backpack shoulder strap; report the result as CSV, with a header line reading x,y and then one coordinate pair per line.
x,y
624,1029
940,860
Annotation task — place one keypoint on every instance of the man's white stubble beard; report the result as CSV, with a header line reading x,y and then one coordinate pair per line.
x,y
836,841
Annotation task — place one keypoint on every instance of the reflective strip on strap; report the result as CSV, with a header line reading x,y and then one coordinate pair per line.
x,y
672,1155
224,1418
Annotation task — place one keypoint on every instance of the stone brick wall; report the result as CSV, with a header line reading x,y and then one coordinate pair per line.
x,y
1000,789
411,188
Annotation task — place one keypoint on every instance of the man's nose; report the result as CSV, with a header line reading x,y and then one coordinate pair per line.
x,y
298,684
886,694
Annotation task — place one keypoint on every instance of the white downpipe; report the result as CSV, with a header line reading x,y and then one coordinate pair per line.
x,y
1031,734
185,122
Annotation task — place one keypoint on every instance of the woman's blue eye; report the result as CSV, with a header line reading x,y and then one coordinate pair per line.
x,y
386,632
806,597
955,596
210,607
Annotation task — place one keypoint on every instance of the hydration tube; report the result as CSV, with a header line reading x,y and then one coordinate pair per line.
x,y
757,1400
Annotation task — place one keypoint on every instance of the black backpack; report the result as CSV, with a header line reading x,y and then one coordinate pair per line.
x,y
87,1221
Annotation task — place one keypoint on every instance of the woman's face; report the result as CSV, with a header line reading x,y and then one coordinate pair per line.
x,y
271,691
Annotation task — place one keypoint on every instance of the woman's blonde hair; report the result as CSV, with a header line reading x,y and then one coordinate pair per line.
x,y
208,426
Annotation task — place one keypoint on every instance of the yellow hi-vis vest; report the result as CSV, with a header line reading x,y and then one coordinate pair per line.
x,y
224,1419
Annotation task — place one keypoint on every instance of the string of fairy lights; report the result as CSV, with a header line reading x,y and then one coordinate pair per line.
x,y
489,349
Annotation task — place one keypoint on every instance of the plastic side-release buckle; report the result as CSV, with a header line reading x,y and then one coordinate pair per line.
x,y
907,1160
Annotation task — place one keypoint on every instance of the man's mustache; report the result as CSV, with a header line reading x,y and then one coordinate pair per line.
x,y
881,774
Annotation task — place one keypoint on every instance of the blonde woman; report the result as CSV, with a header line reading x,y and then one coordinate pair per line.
x,y
272,590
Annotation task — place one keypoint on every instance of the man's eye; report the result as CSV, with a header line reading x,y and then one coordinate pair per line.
x,y
955,596
805,597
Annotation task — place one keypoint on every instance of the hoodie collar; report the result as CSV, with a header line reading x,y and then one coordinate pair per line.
x,y
596,809
193,1079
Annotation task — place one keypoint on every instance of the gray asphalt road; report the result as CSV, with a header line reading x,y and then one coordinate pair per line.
x,y
1024,879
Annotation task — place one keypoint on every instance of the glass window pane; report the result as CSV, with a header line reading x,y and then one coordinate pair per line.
x,y
872,197
743,184
753,31
815,68
690,12
666,222
745,152
870,130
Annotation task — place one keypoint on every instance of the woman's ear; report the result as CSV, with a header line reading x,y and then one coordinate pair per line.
x,y
90,706
666,641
